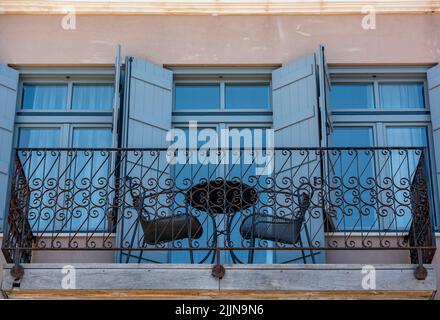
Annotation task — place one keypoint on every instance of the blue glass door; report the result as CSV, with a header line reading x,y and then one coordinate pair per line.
x,y
41,169
193,172
401,170
352,175
90,177
247,166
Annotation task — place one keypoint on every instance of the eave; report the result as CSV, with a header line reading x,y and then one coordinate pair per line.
x,y
218,7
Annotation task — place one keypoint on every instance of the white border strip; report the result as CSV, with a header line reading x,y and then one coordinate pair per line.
x,y
217,7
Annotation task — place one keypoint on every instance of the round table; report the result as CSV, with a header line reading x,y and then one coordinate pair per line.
x,y
221,196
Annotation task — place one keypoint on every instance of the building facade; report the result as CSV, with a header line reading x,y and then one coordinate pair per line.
x,y
239,150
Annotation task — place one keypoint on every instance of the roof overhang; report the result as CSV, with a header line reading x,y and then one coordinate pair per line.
x,y
218,7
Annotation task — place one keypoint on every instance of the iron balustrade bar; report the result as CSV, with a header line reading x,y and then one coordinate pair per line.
x,y
233,249
229,148
220,207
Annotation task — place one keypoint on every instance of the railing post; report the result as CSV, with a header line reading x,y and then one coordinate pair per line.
x,y
218,271
420,273
421,226
17,271
19,232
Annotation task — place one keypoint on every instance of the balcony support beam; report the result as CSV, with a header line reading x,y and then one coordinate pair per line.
x,y
240,281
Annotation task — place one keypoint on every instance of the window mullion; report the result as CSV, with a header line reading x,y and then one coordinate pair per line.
x,y
66,135
376,94
222,95
379,139
69,95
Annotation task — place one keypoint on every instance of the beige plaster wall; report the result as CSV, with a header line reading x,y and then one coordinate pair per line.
x,y
397,39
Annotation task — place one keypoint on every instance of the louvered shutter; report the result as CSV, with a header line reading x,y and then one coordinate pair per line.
x,y
8,98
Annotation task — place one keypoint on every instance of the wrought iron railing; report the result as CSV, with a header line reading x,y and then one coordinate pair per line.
x,y
204,206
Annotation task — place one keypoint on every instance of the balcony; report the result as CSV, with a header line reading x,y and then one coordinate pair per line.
x,y
217,209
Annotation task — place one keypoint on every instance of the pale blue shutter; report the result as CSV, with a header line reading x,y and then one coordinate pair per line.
x,y
297,123
324,96
8,98
146,120
116,98
295,104
434,103
324,84
148,104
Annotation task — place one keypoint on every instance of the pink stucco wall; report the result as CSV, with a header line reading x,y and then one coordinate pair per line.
x,y
398,39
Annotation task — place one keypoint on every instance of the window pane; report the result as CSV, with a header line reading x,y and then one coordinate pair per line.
x,y
247,96
92,138
92,97
44,96
406,137
352,96
352,137
39,138
401,95
197,97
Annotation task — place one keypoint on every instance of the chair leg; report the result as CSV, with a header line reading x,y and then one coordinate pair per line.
x,y
191,252
132,241
140,256
142,251
251,252
312,253
302,250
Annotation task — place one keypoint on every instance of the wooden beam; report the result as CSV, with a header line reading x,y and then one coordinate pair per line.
x,y
147,281
212,295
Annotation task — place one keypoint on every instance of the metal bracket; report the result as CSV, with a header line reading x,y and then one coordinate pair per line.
x,y
218,271
17,272
420,273
4,295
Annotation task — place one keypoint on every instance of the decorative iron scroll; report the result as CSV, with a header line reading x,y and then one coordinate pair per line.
x,y
19,233
139,203
421,231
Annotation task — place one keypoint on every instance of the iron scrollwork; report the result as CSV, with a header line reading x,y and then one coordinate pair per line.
x,y
315,199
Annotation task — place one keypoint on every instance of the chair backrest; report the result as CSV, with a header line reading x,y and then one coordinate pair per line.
x,y
167,228
278,229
